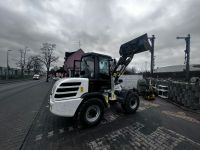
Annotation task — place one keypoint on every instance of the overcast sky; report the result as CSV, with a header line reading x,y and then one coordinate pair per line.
x,y
101,26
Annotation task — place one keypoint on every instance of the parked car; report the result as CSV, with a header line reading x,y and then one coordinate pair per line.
x,y
36,77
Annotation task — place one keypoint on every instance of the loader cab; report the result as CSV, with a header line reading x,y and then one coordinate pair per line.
x,y
96,67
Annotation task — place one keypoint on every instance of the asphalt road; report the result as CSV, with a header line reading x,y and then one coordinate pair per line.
x,y
26,123
19,104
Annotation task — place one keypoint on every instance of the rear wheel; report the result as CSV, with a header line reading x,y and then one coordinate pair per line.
x,y
131,103
91,112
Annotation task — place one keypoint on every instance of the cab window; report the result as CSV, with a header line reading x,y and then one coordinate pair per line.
x,y
87,67
103,67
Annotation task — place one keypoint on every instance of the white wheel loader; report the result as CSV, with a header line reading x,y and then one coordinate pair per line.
x,y
98,86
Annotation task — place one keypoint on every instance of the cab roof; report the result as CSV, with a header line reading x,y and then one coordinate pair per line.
x,y
96,54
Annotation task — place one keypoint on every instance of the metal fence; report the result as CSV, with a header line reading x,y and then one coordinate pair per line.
x,y
13,73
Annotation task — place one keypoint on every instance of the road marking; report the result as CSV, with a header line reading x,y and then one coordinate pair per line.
x,y
141,108
50,134
181,115
151,104
61,130
146,105
34,111
38,137
70,128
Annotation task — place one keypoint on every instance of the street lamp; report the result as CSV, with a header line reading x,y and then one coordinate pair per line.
x,y
152,39
187,55
7,64
23,54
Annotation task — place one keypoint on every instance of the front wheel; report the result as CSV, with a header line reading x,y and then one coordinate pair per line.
x,y
91,112
131,103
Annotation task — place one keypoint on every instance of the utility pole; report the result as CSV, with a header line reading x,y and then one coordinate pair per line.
x,y
7,76
79,43
25,55
23,59
145,66
152,39
187,56
21,62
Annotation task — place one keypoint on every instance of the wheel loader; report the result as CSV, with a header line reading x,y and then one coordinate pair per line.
x,y
86,97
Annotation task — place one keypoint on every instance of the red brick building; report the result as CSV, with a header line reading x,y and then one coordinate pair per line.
x,y
71,59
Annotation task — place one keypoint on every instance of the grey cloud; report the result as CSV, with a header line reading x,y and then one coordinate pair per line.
x,y
101,26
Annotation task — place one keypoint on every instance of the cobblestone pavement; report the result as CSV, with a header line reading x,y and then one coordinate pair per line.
x,y
132,138
156,125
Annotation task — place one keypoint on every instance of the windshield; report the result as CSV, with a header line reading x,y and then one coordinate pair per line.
x,y
87,67
103,67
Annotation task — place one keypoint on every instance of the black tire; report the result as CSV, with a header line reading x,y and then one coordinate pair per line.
x,y
91,112
131,103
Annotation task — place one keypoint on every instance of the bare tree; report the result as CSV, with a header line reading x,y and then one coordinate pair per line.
x,y
34,63
37,64
29,65
22,62
48,57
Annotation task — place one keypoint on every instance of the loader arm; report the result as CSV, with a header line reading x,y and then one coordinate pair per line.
x,y
127,51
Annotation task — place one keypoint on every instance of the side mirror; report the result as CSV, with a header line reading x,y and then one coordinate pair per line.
x,y
82,73
120,80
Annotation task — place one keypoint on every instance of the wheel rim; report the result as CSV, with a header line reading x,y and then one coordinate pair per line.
x,y
133,103
92,113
